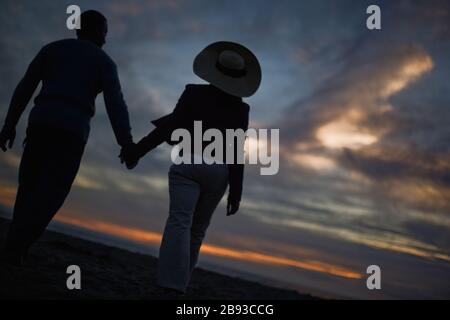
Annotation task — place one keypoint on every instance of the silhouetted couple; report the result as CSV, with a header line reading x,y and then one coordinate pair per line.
x,y
73,72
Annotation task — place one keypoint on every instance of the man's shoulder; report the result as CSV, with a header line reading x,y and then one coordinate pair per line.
x,y
77,44
61,44
107,60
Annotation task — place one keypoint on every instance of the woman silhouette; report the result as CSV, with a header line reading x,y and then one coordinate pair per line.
x,y
195,190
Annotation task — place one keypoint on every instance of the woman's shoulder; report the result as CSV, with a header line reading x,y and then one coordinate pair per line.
x,y
193,87
206,90
245,106
193,91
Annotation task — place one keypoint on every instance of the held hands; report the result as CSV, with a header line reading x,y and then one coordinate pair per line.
x,y
7,136
129,155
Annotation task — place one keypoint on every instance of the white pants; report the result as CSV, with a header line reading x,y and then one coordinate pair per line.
x,y
195,191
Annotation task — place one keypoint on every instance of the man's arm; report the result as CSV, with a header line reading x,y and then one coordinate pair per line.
x,y
115,105
22,95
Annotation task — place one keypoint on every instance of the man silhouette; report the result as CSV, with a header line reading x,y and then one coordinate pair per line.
x,y
73,72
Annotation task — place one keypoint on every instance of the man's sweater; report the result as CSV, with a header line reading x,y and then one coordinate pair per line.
x,y
73,72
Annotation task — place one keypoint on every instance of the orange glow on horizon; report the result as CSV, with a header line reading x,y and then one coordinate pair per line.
x,y
148,237
8,195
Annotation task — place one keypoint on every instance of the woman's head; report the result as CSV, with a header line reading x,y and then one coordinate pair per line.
x,y
229,66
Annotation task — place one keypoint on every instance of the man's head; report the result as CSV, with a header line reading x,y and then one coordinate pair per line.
x,y
93,27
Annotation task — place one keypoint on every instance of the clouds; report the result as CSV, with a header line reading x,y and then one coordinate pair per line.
x,y
352,105
363,119
367,125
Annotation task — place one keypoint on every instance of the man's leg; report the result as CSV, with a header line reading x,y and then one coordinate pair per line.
x,y
174,260
48,168
30,169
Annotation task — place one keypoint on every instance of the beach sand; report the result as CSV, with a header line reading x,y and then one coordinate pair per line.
x,y
112,273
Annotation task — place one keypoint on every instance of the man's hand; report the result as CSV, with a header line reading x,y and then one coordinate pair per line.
x,y
129,155
232,207
7,136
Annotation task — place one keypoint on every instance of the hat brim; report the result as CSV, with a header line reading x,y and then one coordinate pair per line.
x,y
205,68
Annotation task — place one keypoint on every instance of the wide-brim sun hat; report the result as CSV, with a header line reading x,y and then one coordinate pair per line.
x,y
229,66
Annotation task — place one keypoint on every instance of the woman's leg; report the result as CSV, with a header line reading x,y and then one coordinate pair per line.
x,y
213,186
174,253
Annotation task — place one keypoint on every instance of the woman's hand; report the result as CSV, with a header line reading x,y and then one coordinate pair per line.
x,y
232,207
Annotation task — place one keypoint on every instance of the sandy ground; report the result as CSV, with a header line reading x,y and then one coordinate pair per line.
x,y
112,273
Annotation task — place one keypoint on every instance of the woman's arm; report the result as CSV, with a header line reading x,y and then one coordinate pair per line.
x,y
161,133
236,175
164,131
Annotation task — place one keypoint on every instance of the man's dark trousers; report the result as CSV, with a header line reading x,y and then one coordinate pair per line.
x,y
49,165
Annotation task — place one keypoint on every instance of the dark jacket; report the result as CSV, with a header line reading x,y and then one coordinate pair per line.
x,y
216,109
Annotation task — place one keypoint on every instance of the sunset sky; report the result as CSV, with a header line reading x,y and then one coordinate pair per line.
x,y
364,136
